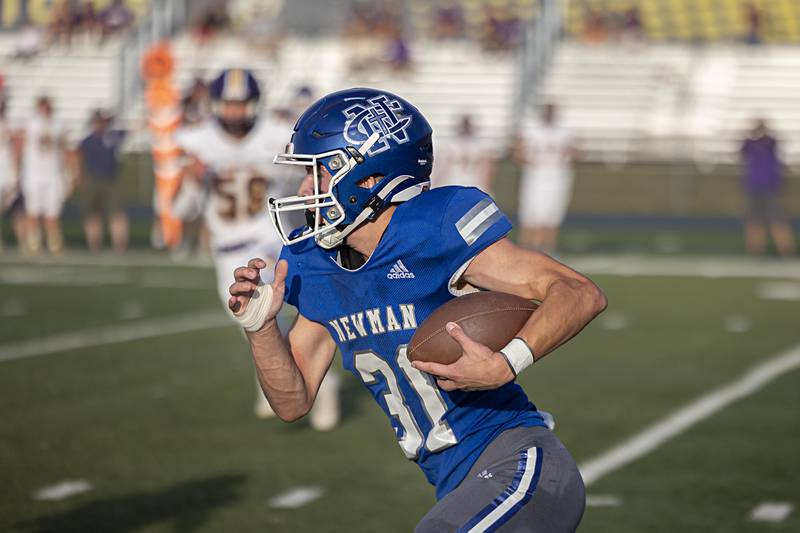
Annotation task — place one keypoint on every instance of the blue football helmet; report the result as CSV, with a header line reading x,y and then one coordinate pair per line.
x,y
235,85
354,134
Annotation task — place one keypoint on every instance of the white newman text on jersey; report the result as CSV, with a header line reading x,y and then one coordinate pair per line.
x,y
374,321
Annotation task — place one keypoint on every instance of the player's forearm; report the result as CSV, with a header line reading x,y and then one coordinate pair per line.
x,y
569,305
278,373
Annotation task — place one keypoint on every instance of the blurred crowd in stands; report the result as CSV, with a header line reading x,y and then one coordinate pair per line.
x,y
603,26
498,27
377,32
72,20
597,24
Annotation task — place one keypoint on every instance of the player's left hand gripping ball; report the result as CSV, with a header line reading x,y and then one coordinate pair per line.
x,y
252,302
479,368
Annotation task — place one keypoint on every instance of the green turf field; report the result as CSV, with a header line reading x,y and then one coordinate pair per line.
x,y
161,427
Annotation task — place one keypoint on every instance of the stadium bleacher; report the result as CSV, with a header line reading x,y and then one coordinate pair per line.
x,y
667,101
448,79
79,79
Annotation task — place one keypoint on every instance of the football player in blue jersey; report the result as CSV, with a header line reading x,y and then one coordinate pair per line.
x,y
378,254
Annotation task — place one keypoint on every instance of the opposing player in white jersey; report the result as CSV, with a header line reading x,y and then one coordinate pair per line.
x,y
464,160
44,176
228,173
546,151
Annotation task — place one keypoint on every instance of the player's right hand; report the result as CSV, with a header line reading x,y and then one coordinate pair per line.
x,y
195,168
246,281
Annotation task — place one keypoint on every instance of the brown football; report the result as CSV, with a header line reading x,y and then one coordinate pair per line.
x,y
491,318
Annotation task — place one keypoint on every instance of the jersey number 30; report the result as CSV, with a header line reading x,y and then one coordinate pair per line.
x,y
441,436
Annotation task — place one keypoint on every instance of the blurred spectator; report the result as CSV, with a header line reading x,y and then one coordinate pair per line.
x,y
546,152
374,34
448,21
500,28
65,19
10,199
595,29
99,155
90,23
116,18
754,24
30,42
763,184
196,103
362,41
464,160
213,21
632,28
384,18
44,181
398,54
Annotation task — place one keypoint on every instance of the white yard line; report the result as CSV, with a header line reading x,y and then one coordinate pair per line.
x,y
649,439
129,259
296,497
40,275
774,512
779,290
706,267
603,500
62,490
145,329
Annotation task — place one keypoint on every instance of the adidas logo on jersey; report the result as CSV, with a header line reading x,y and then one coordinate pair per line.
x,y
399,271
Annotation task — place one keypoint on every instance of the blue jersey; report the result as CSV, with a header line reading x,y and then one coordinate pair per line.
x,y
373,311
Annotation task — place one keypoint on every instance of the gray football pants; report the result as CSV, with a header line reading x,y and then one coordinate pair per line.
x,y
524,481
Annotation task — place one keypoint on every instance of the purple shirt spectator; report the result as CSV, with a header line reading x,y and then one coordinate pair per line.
x,y
100,151
762,167
116,17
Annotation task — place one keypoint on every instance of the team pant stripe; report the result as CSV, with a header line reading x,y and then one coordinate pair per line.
x,y
511,500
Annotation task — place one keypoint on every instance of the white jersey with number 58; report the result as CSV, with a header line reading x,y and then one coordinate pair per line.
x,y
241,174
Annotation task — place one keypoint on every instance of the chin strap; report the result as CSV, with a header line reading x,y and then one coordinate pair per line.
x,y
374,206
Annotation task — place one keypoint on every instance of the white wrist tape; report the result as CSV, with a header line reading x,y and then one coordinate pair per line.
x,y
518,354
255,314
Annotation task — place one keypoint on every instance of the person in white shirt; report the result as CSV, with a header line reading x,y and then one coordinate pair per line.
x,y
44,177
546,152
9,176
464,160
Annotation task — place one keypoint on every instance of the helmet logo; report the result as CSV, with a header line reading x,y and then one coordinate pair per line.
x,y
376,115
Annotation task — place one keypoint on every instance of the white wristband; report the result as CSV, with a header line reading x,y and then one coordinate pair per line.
x,y
518,354
255,314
